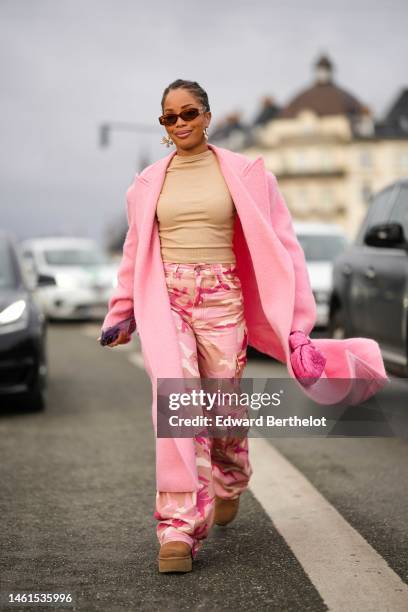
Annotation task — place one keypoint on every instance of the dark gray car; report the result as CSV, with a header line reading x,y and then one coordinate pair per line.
x,y
370,279
23,332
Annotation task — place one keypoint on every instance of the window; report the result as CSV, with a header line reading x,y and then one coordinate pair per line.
x,y
301,162
308,128
28,255
28,261
400,211
320,247
378,212
403,161
74,257
365,193
366,160
7,270
302,200
327,197
327,161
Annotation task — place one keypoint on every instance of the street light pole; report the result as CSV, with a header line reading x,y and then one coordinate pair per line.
x,y
106,128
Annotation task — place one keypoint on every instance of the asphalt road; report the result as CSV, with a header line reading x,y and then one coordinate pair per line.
x,y
77,499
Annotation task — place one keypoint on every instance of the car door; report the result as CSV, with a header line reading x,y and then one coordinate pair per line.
x,y
390,267
366,303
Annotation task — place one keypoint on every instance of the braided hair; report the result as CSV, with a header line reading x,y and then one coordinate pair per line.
x,y
193,87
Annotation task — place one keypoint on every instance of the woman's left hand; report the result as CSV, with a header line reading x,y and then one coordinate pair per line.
x,y
306,359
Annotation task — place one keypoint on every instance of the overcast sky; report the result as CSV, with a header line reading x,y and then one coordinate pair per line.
x,y
68,65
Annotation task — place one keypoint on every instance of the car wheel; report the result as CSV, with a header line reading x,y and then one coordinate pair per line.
x,y
406,351
337,327
37,398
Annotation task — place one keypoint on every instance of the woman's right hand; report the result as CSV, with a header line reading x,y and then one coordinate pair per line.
x,y
123,338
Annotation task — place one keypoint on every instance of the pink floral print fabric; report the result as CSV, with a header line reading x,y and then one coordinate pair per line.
x,y
207,305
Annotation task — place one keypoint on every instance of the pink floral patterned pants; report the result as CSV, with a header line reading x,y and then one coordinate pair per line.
x,y
207,305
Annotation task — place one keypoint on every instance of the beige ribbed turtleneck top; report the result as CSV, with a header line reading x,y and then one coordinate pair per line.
x,y
195,211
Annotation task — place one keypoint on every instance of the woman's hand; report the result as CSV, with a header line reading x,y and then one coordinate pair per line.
x,y
306,359
123,338
120,333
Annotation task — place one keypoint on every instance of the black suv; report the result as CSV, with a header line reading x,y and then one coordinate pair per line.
x,y
370,279
23,331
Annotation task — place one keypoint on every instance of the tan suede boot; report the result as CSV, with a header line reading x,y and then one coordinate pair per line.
x,y
225,510
175,556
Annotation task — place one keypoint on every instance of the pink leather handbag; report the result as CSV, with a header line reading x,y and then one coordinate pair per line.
x,y
307,361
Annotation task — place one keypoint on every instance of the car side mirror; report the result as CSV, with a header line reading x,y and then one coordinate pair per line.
x,y
386,235
44,280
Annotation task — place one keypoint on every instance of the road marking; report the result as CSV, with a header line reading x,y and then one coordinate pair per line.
x,y
347,572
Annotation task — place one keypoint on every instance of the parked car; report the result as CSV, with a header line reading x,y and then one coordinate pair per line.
x,y
321,243
23,331
370,280
82,277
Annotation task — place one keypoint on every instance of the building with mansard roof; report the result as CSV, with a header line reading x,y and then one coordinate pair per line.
x,y
326,148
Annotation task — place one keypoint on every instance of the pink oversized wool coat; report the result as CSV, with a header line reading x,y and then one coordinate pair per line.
x,y
276,290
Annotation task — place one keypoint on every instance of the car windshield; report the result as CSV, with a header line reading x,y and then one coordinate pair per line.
x,y
7,270
318,247
75,257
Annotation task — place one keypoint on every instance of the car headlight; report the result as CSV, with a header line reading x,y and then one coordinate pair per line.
x,y
14,317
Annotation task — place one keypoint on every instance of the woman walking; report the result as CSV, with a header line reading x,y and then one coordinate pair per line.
x,y
210,261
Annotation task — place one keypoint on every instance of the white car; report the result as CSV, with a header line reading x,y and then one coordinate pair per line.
x,y
321,243
74,276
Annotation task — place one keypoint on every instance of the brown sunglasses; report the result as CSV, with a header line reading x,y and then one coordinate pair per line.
x,y
187,115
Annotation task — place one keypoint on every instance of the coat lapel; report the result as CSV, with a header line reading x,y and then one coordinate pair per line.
x,y
251,175
272,264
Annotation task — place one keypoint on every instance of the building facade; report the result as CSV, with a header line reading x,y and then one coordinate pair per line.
x,y
326,149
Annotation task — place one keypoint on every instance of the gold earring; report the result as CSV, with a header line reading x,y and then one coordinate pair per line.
x,y
205,134
167,141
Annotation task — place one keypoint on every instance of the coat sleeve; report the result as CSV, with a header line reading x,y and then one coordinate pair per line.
x,y
304,316
120,306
